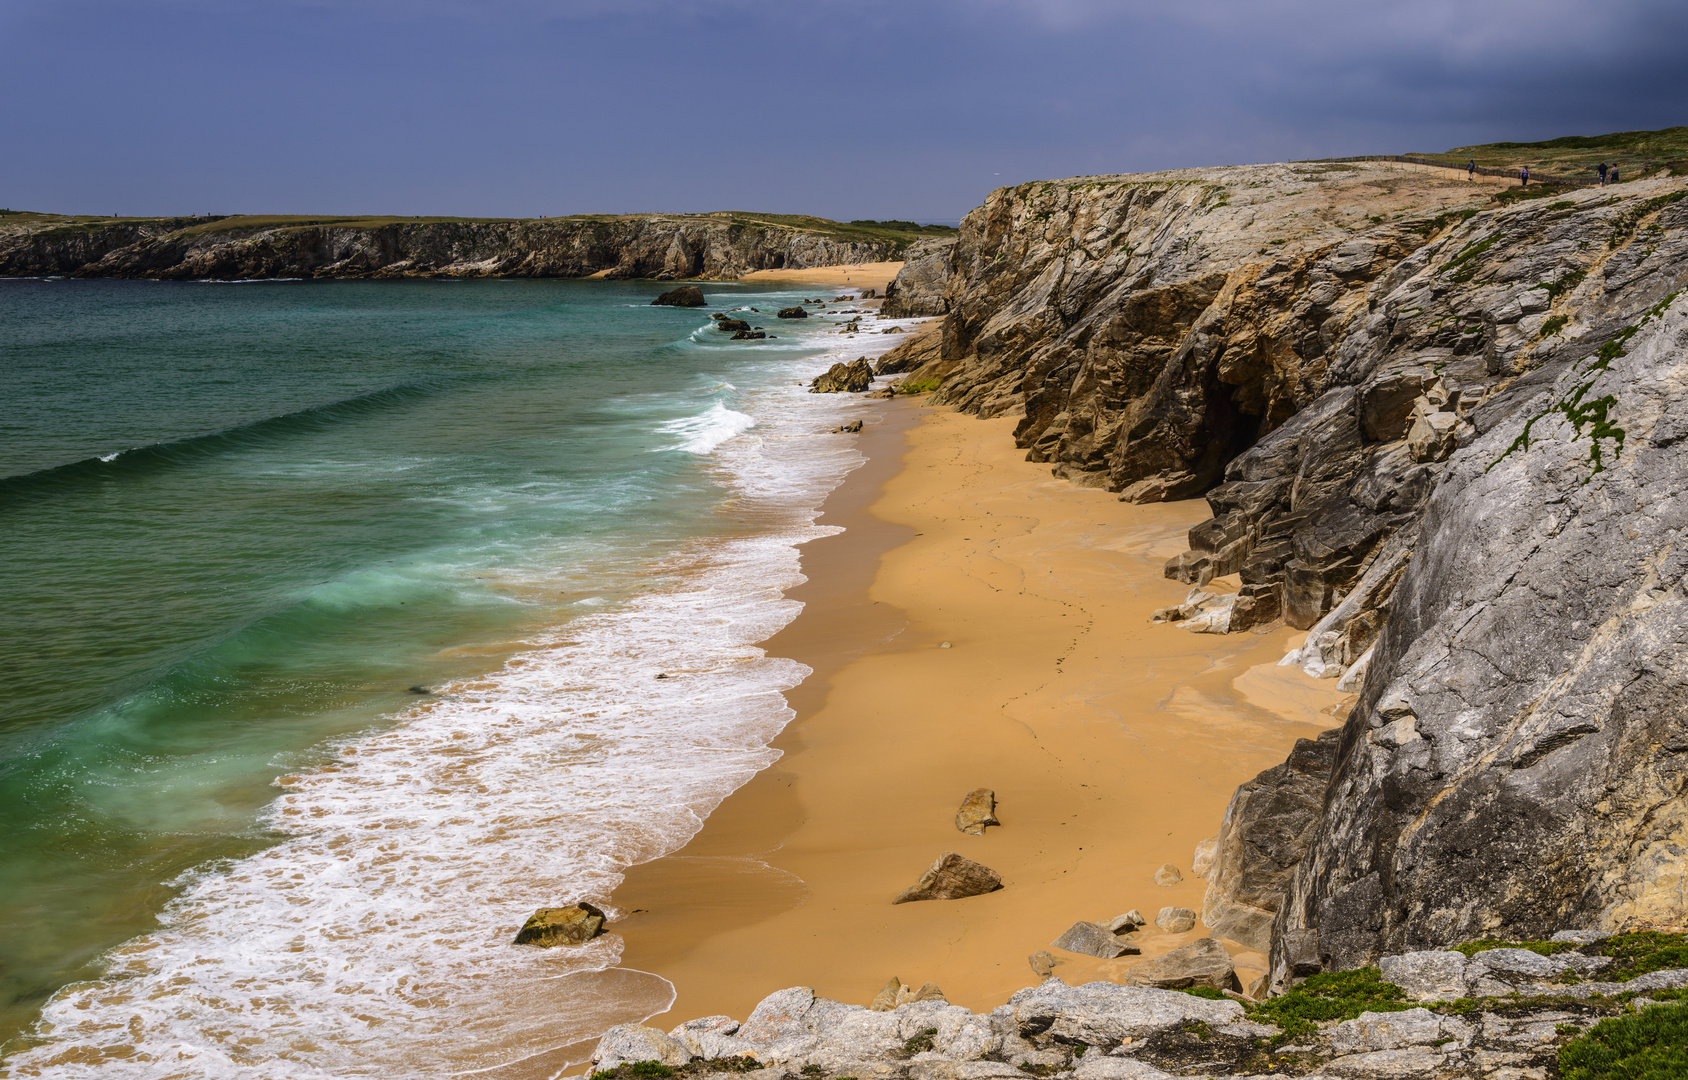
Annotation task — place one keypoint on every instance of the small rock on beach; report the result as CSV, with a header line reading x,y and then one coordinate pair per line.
x,y
1168,876
977,811
1175,920
951,877
575,924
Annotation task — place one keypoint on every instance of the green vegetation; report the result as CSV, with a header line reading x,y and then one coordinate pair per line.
x,y
920,1043
1627,222
1545,948
1466,254
1331,995
1508,196
1649,1045
1637,153
1643,951
1553,325
906,226
922,386
1204,992
643,1070
1570,280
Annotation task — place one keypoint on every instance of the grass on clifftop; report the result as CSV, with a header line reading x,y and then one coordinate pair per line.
x,y
1637,153
1331,995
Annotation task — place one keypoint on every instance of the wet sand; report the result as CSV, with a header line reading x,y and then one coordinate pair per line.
x,y
1113,745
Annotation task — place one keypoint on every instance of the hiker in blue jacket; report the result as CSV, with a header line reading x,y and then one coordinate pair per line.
x,y
1524,177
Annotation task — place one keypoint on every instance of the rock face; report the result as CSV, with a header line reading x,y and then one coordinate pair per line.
x,y
851,378
661,246
1303,343
918,289
1518,757
686,296
951,877
977,811
1267,829
575,924
1439,432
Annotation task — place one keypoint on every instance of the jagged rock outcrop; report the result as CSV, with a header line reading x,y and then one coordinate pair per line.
x,y
660,246
1518,759
1266,831
918,289
1302,343
841,378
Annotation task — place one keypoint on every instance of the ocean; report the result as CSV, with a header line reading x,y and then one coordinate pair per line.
x,y
333,619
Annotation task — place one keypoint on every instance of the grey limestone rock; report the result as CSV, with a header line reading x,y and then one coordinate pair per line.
x,y
707,1037
1102,1014
1516,758
1412,1062
1096,1067
1386,1031
918,288
635,1042
1433,975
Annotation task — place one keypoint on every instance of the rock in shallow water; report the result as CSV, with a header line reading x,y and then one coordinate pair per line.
x,y
575,924
951,877
684,296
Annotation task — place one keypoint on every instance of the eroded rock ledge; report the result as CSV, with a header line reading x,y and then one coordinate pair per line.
x,y
1500,1012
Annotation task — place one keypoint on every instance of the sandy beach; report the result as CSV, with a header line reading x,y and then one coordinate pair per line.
x,y
1113,745
875,275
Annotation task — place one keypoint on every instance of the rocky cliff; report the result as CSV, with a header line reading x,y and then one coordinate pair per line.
x,y
661,246
1438,425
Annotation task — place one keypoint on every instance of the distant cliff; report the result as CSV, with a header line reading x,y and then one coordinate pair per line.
x,y
661,246
1440,426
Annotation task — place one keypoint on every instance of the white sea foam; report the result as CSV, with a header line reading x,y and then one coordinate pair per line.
x,y
375,939
703,433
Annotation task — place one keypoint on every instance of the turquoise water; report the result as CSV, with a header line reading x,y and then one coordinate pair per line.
x,y
417,550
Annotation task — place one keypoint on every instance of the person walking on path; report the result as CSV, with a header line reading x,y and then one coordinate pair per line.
x,y
1612,177
1471,170
1603,168
1524,177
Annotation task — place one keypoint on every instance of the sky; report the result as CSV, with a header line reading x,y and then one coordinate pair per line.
x,y
911,109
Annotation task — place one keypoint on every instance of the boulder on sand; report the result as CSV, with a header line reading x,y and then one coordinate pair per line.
x,y
575,924
977,811
684,296
1168,876
1174,920
1092,940
1200,963
1043,963
793,313
951,877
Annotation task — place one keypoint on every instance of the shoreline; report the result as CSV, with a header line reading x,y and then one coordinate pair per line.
x,y
789,881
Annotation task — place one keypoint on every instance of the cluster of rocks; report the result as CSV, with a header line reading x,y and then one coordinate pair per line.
x,y
1501,1013
740,329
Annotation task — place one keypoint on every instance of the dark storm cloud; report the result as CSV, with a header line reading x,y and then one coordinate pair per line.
x,y
866,109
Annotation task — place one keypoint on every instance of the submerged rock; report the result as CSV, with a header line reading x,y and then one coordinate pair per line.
x,y
684,296
977,811
951,877
575,924
731,326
